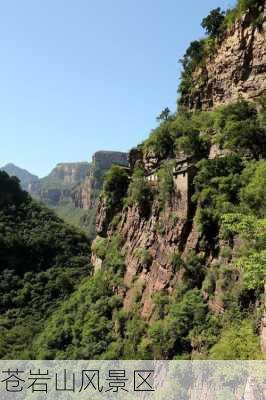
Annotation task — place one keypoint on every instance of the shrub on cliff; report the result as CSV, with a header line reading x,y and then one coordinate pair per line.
x,y
192,145
239,129
99,247
213,22
169,337
165,183
115,185
217,185
144,256
192,58
114,261
139,191
253,193
160,142
238,342
251,256
244,5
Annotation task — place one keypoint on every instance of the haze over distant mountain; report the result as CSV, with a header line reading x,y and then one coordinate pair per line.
x,y
25,177
71,189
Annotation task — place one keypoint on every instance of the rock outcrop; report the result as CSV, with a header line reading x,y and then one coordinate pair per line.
x,y
54,187
57,186
69,173
161,236
237,68
85,194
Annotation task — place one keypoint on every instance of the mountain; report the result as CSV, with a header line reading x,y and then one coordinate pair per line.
x,y
86,193
219,70
71,189
183,229
179,260
56,187
42,260
26,178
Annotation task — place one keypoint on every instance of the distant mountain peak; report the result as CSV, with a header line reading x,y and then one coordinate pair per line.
x,y
25,177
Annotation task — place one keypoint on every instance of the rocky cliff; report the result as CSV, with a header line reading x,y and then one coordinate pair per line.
x,y
159,235
237,68
86,193
57,186
180,243
69,173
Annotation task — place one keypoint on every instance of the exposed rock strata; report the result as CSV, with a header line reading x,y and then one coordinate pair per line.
x,y
86,193
162,235
237,69
70,173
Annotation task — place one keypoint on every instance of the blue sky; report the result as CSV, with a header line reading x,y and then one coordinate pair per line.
x,y
80,76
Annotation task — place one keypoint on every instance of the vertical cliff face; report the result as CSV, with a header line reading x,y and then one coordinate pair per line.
x,y
57,186
69,173
85,194
151,242
236,69
158,243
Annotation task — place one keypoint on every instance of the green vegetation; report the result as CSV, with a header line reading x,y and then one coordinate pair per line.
x,y
170,337
165,182
239,129
80,218
252,254
48,295
99,247
52,307
164,115
176,261
213,22
160,142
81,328
139,191
237,342
115,186
144,256
42,261
252,194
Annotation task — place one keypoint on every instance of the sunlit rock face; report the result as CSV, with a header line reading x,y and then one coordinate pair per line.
x,y
85,194
237,69
70,173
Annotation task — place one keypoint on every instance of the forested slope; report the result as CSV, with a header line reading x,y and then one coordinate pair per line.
x,y
42,260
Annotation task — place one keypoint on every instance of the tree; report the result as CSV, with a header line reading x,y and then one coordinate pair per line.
x,y
164,115
239,129
252,259
166,183
244,5
237,343
213,22
253,194
160,143
115,184
10,191
139,191
193,55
